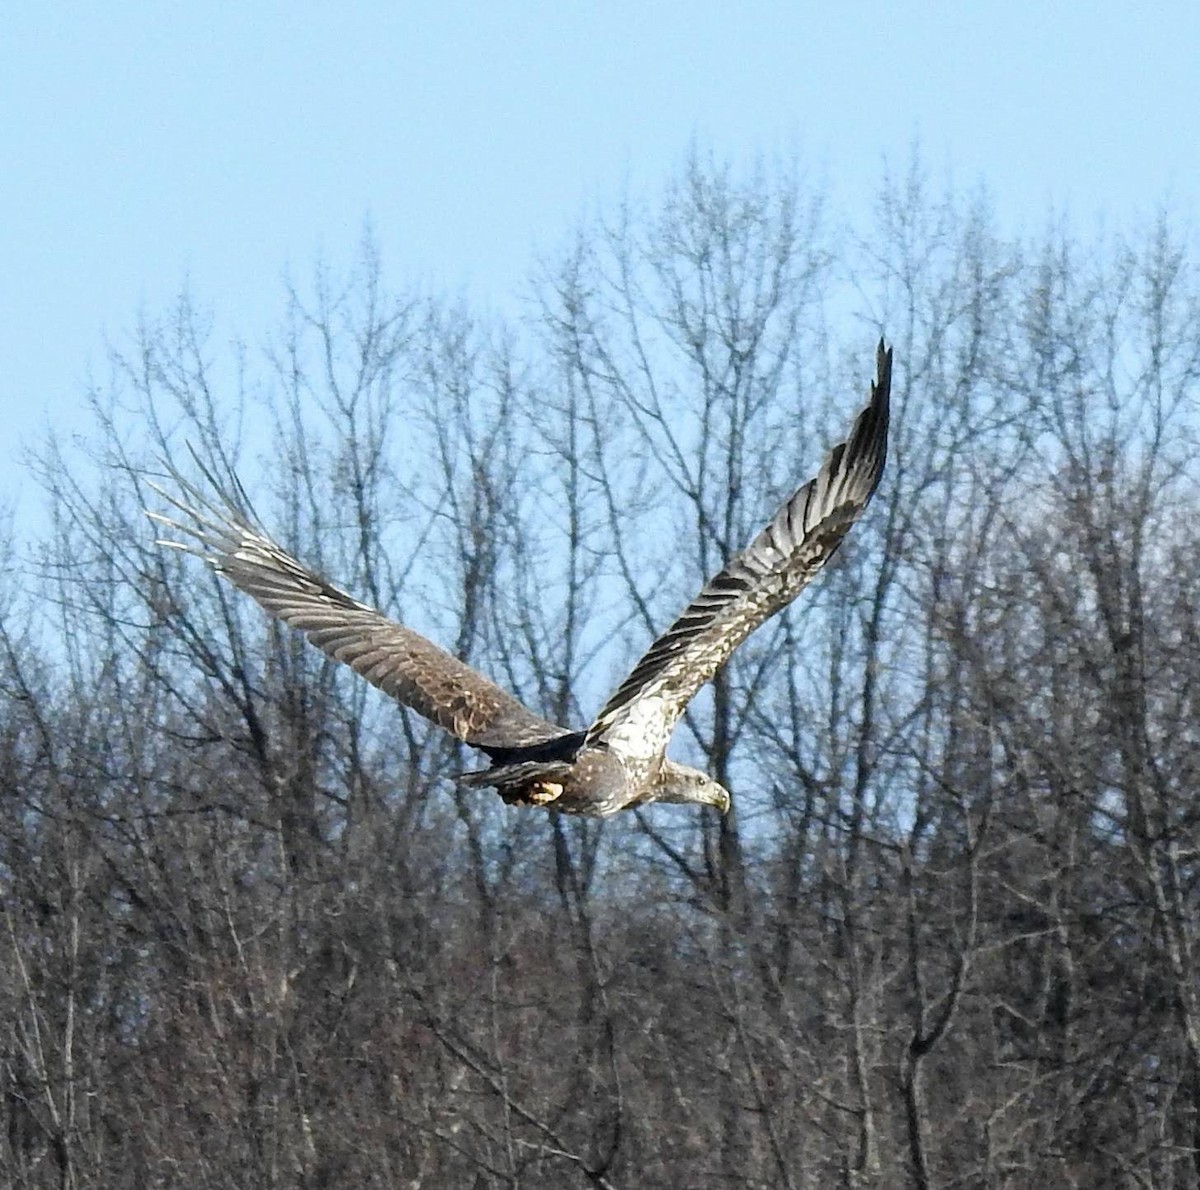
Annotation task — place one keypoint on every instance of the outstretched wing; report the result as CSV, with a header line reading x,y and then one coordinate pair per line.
x,y
402,663
773,569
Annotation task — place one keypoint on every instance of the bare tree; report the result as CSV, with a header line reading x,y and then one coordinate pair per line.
x,y
254,931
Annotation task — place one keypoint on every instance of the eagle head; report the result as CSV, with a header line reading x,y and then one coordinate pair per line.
x,y
681,783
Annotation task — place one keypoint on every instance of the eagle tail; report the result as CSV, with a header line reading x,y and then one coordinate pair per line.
x,y
514,782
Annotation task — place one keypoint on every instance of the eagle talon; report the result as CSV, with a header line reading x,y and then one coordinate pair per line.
x,y
545,792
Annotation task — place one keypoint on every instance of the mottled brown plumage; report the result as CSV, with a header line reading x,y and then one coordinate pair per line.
x,y
619,761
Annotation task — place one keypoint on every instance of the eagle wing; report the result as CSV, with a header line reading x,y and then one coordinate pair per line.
x,y
766,576
224,533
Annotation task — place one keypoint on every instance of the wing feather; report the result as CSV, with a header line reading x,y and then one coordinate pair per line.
x,y
767,575
222,531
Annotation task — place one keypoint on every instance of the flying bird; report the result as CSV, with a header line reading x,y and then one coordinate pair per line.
x,y
620,760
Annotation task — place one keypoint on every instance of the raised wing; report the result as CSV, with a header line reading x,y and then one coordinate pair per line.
x,y
400,662
766,576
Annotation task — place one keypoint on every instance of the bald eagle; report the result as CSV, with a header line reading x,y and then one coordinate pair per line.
x,y
619,761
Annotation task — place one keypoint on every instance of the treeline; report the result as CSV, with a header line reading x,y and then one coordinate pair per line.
x,y
256,935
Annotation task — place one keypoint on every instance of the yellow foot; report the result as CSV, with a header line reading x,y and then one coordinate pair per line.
x,y
544,792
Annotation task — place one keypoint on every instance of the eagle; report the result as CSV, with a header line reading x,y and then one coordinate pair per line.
x,y
620,761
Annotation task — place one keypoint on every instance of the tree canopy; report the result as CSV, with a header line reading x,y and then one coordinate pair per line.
x,y
255,933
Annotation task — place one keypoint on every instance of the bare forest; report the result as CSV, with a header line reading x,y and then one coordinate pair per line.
x,y
254,933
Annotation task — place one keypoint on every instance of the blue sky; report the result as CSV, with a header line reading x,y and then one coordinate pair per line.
x,y
145,145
